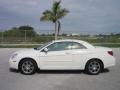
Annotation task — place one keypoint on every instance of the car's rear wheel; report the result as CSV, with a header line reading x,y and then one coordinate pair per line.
x,y
93,67
28,67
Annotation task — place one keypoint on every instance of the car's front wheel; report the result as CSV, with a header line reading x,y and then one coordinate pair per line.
x,y
28,67
94,67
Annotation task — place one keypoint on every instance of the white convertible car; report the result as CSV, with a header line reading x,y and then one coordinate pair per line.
x,y
63,55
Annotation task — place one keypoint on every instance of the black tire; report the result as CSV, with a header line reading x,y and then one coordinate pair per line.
x,y
94,67
28,67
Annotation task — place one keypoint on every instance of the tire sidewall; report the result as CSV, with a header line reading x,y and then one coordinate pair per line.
x,y
87,65
34,64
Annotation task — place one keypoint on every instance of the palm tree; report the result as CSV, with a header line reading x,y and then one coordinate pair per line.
x,y
54,15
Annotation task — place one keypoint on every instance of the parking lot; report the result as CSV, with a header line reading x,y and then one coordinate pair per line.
x,y
109,79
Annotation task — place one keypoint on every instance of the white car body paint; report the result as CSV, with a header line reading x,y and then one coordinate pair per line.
x,y
65,59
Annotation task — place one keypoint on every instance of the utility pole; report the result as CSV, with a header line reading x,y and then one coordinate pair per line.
x,y
25,36
2,36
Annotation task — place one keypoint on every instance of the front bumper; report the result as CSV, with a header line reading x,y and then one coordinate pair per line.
x,y
13,64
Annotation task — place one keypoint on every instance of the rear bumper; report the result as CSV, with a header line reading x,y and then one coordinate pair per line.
x,y
111,62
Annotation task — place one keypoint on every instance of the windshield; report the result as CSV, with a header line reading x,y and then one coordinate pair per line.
x,y
41,46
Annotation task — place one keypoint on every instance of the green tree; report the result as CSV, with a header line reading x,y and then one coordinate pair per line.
x,y
20,32
27,30
12,32
54,15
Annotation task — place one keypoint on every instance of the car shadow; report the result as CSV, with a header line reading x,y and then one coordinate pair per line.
x,y
52,71
105,71
13,70
59,71
67,71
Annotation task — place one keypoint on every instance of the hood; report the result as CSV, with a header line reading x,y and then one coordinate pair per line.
x,y
25,51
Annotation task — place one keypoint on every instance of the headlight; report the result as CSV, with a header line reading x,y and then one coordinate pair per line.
x,y
14,55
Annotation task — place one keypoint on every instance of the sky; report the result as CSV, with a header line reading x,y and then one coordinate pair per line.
x,y
85,16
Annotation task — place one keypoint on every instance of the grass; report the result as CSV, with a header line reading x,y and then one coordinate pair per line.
x,y
117,45
18,46
108,45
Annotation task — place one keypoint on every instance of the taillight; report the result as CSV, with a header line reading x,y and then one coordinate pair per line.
x,y
110,53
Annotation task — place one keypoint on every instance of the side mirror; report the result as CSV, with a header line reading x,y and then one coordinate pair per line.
x,y
45,50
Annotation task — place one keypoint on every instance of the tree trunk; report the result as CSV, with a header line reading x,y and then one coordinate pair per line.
x,y
55,30
59,27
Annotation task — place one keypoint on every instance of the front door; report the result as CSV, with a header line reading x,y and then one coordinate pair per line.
x,y
57,57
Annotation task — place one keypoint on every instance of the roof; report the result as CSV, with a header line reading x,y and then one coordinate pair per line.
x,y
69,40
88,45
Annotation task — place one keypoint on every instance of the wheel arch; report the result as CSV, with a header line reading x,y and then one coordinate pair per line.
x,y
26,59
95,59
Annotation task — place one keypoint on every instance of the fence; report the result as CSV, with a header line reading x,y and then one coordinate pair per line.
x,y
48,35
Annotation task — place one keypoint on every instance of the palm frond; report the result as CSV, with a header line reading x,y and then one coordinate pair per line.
x,y
61,13
56,7
47,16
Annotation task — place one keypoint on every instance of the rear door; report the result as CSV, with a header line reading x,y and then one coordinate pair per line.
x,y
79,53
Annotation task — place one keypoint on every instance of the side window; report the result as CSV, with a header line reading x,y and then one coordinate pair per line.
x,y
76,45
59,46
